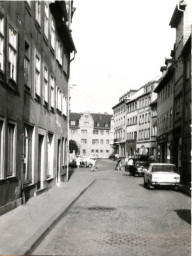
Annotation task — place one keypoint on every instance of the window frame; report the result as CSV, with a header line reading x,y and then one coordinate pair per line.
x,y
11,173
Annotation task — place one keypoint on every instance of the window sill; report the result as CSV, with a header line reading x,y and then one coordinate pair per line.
x,y
45,39
28,8
12,85
38,26
53,110
28,184
10,177
52,50
50,179
27,89
37,98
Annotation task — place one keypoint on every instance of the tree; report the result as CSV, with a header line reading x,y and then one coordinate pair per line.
x,y
73,147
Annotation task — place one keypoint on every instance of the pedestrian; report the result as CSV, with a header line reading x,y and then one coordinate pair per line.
x,y
118,163
93,167
131,165
78,162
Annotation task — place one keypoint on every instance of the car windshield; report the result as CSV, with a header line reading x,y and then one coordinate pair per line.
x,y
163,168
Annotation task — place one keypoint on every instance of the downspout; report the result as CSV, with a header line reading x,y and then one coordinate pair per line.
x,y
68,112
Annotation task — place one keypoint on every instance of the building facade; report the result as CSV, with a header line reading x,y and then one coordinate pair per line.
x,y
145,145
119,116
35,46
174,97
92,133
165,101
186,124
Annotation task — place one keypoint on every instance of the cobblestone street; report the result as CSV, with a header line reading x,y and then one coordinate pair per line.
x,y
118,216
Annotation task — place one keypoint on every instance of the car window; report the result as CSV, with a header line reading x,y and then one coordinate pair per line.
x,y
163,168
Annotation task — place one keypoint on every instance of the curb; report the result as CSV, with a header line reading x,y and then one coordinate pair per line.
x,y
34,241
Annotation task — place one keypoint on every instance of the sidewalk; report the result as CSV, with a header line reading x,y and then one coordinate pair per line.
x,y
185,189
22,228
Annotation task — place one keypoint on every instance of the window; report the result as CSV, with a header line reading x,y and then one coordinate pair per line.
x,y
28,155
37,74
106,125
98,124
188,70
12,64
92,150
52,87
2,149
86,123
107,141
11,150
52,33
38,11
72,122
50,155
107,151
59,52
101,151
46,88
84,131
64,105
84,141
27,64
46,19
101,141
2,42
65,63
64,148
59,99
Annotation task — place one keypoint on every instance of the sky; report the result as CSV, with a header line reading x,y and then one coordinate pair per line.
x,y
121,45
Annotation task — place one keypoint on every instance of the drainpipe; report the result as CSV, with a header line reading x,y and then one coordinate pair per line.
x,y
68,112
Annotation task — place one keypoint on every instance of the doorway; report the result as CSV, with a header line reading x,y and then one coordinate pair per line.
x,y
58,162
40,160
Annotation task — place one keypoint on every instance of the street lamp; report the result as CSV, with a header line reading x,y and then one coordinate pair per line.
x,y
70,86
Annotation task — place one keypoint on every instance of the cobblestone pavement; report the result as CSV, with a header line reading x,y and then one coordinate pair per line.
x,y
118,216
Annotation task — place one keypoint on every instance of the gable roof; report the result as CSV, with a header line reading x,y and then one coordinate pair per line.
x,y
102,119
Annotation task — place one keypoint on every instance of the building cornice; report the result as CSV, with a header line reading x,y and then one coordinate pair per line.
x,y
177,14
58,9
165,79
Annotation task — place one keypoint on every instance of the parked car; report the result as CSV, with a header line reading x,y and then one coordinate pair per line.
x,y
161,174
87,161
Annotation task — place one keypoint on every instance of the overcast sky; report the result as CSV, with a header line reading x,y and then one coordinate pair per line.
x,y
121,45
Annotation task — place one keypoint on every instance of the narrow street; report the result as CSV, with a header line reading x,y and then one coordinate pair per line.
x,y
118,216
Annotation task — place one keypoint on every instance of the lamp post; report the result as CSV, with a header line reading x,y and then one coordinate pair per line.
x,y
70,86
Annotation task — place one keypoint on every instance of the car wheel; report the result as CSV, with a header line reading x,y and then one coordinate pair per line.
x,y
145,184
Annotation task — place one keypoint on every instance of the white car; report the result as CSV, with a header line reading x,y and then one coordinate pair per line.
x,y
161,174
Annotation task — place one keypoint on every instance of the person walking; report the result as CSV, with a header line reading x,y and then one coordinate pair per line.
x,y
93,167
118,165
78,162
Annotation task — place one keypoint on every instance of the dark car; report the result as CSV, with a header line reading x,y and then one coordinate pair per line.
x,y
141,167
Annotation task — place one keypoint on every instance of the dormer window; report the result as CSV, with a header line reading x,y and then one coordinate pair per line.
x,y
106,125
97,124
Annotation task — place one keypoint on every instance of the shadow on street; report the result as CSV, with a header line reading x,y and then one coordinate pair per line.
x,y
184,214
